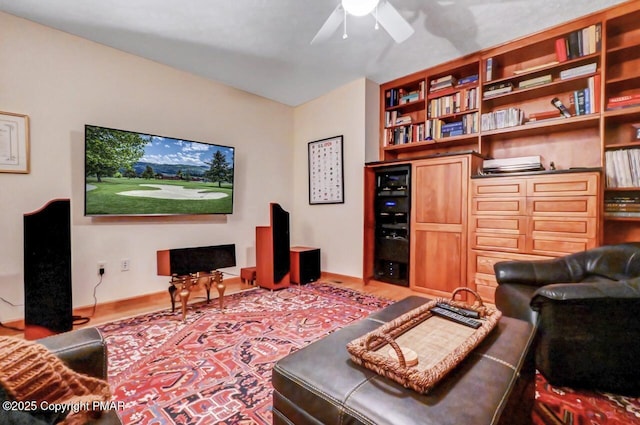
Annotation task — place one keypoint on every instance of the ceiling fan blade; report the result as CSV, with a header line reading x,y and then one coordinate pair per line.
x,y
330,25
391,20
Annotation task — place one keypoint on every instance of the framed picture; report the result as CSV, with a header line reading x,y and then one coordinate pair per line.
x,y
326,171
635,135
14,143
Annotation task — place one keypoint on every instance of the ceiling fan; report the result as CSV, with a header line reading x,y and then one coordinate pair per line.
x,y
385,14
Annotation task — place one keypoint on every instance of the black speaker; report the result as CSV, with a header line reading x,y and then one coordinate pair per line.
x,y
48,308
305,264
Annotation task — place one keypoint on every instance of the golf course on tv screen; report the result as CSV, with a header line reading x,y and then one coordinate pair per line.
x,y
130,173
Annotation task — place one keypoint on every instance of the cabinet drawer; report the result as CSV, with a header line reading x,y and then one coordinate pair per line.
x,y
570,227
487,293
584,206
499,206
497,187
559,246
498,242
481,264
563,185
499,224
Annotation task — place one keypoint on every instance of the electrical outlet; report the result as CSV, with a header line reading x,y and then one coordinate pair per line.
x,y
102,266
124,265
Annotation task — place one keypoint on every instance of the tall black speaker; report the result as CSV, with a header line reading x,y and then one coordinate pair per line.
x,y
48,308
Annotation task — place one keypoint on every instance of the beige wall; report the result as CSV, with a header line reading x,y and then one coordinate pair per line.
x,y
335,228
63,82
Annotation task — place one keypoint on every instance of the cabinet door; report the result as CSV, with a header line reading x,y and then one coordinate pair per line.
x,y
438,191
439,260
439,225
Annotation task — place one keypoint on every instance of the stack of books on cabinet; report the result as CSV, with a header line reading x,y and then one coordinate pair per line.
x,y
622,168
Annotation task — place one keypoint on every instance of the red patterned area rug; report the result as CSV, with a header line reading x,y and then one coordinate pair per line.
x,y
215,368
565,406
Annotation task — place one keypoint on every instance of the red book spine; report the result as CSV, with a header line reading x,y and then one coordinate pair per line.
x,y
561,50
596,93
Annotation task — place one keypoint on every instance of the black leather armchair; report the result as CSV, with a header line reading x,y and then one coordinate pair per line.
x,y
587,309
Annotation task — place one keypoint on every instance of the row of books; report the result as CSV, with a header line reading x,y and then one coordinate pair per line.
x,y
587,101
579,43
460,101
622,168
622,205
404,134
393,118
438,129
618,102
402,96
502,118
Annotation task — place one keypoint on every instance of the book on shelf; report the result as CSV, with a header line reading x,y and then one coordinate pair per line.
x,y
536,81
404,134
438,129
577,71
593,85
561,50
534,68
502,118
442,83
461,101
618,102
497,89
401,96
488,70
578,43
622,168
468,79
536,116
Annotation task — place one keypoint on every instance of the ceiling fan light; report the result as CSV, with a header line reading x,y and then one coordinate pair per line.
x,y
359,7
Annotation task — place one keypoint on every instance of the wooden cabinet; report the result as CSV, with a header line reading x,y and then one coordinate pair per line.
x,y
439,214
530,217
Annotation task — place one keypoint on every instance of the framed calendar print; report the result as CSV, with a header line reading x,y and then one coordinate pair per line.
x,y
326,172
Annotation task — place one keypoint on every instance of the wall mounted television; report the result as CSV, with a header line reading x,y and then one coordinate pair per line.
x,y
128,173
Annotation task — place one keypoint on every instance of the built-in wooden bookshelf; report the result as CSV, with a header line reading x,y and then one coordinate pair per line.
x,y
591,65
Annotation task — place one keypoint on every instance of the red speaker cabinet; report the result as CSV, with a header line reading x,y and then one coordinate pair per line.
x,y
305,264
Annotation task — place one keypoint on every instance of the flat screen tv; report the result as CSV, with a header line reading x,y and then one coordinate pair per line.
x,y
138,174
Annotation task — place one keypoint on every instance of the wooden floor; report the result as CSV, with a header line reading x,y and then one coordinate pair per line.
x,y
109,312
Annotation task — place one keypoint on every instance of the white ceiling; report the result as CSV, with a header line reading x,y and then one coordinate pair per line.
x,y
262,46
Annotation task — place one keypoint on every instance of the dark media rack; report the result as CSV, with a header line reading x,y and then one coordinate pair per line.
x,y
392,207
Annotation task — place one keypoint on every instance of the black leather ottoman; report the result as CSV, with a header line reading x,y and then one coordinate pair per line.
x,y
319,384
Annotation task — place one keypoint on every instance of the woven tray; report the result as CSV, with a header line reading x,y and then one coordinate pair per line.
x,y
440,344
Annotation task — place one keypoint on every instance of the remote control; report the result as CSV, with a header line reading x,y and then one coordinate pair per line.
x,y
455,317
465,312
563,109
